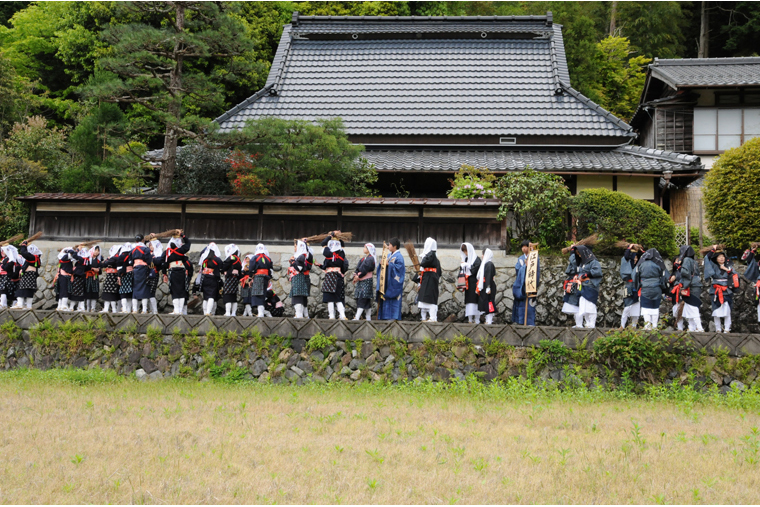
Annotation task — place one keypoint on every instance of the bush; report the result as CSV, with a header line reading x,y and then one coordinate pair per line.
x,y
538,203
473,183
732,194
694,237
202,171
617,216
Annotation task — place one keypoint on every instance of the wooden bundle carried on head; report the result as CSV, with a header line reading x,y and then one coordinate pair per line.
x,y
754,245
624,245
708,249
12,239
412,254
171,233
589,241
33,237
89,244
342,236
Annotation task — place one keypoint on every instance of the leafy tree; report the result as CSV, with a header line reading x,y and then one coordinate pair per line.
x,y
617,216
35,141
743,38
537,203
473,183
654,28
201,170
731,196
17,177
10,96
620,77
299,157
174,63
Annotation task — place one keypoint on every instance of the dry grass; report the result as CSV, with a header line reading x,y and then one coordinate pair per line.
x,y
184,442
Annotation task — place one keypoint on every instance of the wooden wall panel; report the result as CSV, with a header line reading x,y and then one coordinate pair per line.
x,y
70,225
377,230
222,228
287,228
128,225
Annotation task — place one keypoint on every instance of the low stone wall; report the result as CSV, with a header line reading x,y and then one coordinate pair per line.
x,y
283,350
451,302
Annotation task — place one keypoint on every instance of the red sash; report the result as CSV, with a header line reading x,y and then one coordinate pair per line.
x,y
719,290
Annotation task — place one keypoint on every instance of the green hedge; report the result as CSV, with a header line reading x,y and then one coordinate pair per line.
x,y
732,196
617,216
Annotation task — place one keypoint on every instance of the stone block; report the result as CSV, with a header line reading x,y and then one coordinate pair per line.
x,y
27,319
750,345
252,324
231,324
510,337
399,329
339,329
309,328
420,332
365,331
285,328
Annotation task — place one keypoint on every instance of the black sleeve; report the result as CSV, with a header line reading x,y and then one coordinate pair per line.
x,y
25,253
185,245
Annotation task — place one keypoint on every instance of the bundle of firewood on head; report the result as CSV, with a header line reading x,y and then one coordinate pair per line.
x,y
89,244
625,244
171,233
412,255
589,241
341,236
12,239
33,237
754,245
718,248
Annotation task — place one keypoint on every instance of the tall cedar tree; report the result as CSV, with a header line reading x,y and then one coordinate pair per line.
x,y
173,61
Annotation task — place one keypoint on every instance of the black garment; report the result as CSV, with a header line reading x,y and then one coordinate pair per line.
x,y
300,283
140,273
363,289
333,287
210,282
627,266
571,271
179,276
429,279
232,268
110,284
471,294
28,283
484,299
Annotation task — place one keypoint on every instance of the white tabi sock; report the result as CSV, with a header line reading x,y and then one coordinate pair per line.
x,y
578,319
358,313
144,305
423,314
106,305
489,319
154,306
175,306
331,310
184,307
727,323
434,314
29,303
80,306
206,307
72,305
679,325
368,315
247,311
718,327
19,303
113,307
299,311
623,320
227,309
260,310
342,311
124,308
135,307
306,312
234,309
3,300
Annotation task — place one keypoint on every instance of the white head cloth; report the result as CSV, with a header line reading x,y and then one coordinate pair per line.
x,y
248,258
334,245
114,250
63,254
372,251
158,247
126,247
430,246
210,248
261,249
468,258
84,253
301,249
487,257
230,250
176,242
11,252
32,249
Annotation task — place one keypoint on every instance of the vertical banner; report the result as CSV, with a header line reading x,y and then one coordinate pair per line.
x,y
531,274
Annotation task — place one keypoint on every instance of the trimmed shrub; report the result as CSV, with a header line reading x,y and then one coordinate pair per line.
x,y
202,171
473,183
617,216
732,196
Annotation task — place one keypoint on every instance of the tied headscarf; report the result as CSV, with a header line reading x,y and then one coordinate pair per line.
x,y
713,256
126,247
114,250
210,248
468,258
261,250
430,246
92,253
64,254
84,253
686,251
487,257
585,254
32,249
230,250
248,258
11,252
653,255
158,248
371,249
176,242
301,249
334,245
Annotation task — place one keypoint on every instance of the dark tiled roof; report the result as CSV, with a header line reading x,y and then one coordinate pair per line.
x,y
182,198
707,71
429,86
623,159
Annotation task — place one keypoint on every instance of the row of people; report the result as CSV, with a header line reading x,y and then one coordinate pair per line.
x,y
132,272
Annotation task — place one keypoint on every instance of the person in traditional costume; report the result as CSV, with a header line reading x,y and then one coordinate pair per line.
x,y
79,279
389,305
298,274
687,286
650,279
590,276
157,256
142,260
15,274
210,277
32,257
260,272
245,287
720,273
363,275
753,273
428,279
523,305
468,273
93,263
125,278
110,294
631,304
486,286
335,266
231,268
63,277
8,266
571,293
273,307
175,267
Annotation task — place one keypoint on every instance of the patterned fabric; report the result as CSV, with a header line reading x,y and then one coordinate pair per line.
x,y
231,284
364,289
110,285
331,282
245,292
126,284
28,281
152,285
92,285
259,286
4,283
300,285
77,286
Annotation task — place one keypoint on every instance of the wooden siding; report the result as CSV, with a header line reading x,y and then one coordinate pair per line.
x,y
674,129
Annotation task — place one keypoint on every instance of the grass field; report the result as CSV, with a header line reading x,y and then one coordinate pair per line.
x,y
91,437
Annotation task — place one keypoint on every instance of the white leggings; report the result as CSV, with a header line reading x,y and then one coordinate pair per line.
x,y
433,313
341,310
726,324
695,325
627,311
650,320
